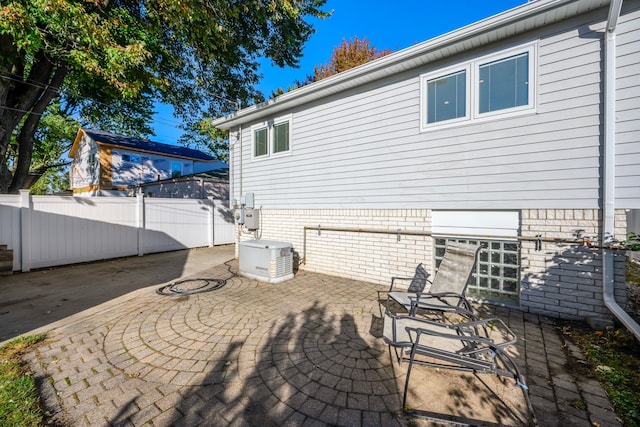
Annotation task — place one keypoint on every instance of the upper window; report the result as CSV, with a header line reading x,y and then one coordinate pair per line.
x,y
499,84
260,141
281,137
272,138
504,83
446,97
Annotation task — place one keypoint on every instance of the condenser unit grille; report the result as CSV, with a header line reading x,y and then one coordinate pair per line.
x,y
283,266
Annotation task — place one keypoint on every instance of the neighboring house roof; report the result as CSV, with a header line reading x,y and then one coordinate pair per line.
x,y
527,17
141,145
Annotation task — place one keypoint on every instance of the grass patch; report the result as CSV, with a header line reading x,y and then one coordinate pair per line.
x,y
19,400
632,273
613,355
614,359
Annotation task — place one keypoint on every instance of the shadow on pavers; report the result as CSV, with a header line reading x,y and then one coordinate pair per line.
x,y
315,366
36,299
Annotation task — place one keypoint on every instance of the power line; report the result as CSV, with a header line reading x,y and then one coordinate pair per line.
x,y
174,124
21,111
7,76
237,104
19,79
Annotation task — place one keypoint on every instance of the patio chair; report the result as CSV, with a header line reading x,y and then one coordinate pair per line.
x,y
477,346
447,290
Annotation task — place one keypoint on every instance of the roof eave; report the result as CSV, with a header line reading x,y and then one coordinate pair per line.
x,y
76,144
507,24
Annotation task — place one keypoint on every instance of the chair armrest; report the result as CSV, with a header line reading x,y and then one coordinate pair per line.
x,y
465,338
468,331
417,305
393,279
415,310
440,296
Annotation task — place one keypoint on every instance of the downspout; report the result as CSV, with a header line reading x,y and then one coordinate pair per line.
x,y
238,106
241,156
609,163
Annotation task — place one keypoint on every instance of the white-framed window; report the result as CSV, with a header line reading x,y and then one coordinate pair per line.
x,y
445,96
506,82
271,138
261,141
281,137
499,84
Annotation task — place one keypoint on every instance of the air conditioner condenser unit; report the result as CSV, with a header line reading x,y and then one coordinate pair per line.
x,y
265,260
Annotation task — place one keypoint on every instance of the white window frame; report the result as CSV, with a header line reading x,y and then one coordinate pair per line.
x,y
270,126
531,51
472,95
426,78
254,129
278,121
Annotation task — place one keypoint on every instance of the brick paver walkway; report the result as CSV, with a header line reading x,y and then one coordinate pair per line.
x,y
303,352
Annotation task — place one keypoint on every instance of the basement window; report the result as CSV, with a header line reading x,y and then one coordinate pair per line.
x,y
497,272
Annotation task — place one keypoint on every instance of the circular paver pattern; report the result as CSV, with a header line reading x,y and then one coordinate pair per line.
x,y
299,348
182,340
321,358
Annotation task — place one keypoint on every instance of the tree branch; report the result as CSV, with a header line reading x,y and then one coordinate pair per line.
x,y
29,128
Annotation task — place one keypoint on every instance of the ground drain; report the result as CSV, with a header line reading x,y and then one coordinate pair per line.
x,y
191,286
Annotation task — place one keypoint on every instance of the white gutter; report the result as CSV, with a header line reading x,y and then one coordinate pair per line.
x,y
609,162
507,24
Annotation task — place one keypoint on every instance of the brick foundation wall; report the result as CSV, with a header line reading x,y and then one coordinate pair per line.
x,y
560,280
362,256
563,280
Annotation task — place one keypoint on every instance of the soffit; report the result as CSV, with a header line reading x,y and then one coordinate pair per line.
x,y
516,21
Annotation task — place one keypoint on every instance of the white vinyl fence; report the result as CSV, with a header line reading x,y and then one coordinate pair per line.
x,y
45,231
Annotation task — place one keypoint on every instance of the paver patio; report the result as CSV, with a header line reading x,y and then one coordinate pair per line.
x,y
303,352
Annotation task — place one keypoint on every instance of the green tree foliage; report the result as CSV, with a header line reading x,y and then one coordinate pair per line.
x,y
53,180
107,57
203,136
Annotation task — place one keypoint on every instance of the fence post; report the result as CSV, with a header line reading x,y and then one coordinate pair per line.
x,y
25,230
140,221
212,222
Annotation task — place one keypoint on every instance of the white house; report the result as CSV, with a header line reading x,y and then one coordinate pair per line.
x,y
523,126
105,164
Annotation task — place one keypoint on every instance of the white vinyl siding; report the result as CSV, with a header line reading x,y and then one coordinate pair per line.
x,y
628,112
364,148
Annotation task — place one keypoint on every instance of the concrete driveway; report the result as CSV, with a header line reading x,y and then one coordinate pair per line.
x,y
303,352
41,297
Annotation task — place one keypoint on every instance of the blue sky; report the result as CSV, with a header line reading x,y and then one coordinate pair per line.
x,y
388,25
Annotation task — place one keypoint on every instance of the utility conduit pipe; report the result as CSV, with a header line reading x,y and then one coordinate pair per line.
x,y
607,252
539,239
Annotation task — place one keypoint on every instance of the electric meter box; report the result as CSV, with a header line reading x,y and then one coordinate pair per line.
x,y
265,260
251,218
